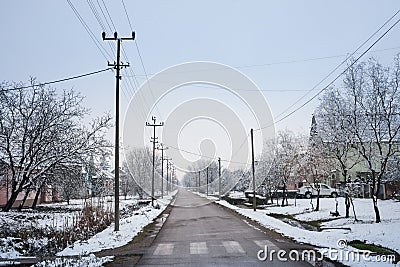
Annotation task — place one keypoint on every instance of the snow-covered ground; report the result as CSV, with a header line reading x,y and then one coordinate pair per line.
x,y
384,234
60,215
129,227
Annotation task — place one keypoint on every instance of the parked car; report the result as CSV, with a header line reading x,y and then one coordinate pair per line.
x,y
309,191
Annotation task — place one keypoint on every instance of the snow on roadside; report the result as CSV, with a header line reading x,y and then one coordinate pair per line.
x,y
89,261
109,239
383,234
58,215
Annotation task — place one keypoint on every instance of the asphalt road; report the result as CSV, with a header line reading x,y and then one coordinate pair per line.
x,y
198,233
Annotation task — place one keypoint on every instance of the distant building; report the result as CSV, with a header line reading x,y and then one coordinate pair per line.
x,y
47,194
359,175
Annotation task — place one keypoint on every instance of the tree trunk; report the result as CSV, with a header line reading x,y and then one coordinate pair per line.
x,y
23,201
347,204
37,197
374,196
11,201
376,209
318,194
354,210
272,197
140,193
16,190
283,194
347,193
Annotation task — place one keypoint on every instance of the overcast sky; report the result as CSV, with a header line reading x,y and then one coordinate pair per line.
x,y
285,47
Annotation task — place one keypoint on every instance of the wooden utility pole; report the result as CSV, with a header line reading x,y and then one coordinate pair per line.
x,y
207,182
154,141
199,183
254,179
162,148
171,166
167,159
173,177
219,178
118,66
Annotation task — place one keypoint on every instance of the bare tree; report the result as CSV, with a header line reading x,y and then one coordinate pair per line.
x,y
243,178
191,178
139,164
318,163
266,169
335,129
362,123
128,184
40,129
285,163
374,93
68,180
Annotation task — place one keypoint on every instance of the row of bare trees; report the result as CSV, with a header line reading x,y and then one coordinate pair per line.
x,y
137,173
360,122
357,124
41,134
292,158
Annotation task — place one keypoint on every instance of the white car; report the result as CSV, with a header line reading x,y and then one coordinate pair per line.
x,y
309,191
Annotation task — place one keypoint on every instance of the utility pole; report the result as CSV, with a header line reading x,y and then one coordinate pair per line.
x,y
118,66
169,185
219,178
173,177
167,159
254,179
162,148
199,183
207,182
153,140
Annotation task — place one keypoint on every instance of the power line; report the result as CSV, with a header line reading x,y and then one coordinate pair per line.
x,y
128,85
141,59
323,89
337,77
295,61
126,13
96,14
135,82
91,34
338,66
307,59
133,89
125,89
104,15
57,81
108,13
99,20
249,90
207,157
